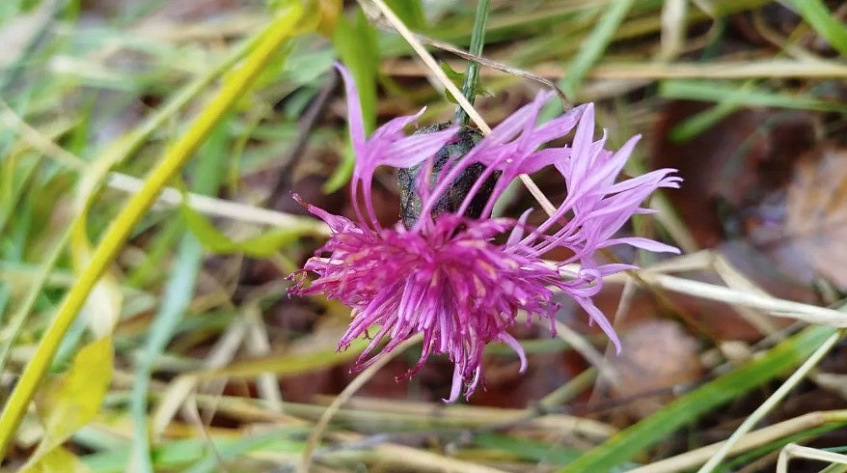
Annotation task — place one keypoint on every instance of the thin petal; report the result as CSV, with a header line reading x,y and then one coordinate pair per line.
x,y
414,149
354,110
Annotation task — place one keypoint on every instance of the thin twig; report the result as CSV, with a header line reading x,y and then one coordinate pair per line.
x,y
346,394
304,131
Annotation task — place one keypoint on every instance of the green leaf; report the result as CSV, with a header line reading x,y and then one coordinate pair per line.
x,y
71,401
356,44
342,173
455,76
458,78
410,11
624,446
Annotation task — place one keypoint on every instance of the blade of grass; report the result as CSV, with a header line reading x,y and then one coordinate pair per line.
x,y
19,318
745,95
528,449
179,453
632,441
771,402
274,36
178,294
816,14
264,245
594,45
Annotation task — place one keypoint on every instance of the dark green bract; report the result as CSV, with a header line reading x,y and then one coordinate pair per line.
x,y
452,198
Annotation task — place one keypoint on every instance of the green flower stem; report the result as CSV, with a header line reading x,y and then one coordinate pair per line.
x,y
472,72
234,87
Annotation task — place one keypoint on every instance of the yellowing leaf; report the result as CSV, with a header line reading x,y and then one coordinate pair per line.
x,y
58,460
72,400
103,306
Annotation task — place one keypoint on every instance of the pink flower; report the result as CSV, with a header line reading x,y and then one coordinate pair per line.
x,y
446,276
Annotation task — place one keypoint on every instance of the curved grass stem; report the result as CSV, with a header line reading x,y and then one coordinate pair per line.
x,y
274,36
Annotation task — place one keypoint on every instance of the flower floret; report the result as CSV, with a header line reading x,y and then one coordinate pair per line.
x,y
452,272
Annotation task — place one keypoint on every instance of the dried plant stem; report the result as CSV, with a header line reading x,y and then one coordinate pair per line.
x,y
771,402
777,307
221,208
417,458
344,396
792,450
691,459
635,72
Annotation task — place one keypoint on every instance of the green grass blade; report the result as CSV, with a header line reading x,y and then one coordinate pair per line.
x,y
593,46
176,455
627,444
19,318
178,294
745,95
264,245
822,20
526,448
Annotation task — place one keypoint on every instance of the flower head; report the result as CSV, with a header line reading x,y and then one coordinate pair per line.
x,y
445,273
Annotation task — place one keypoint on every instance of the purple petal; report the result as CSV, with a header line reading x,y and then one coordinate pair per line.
x,y
354,110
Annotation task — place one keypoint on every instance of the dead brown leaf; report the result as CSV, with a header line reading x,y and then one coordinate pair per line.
x,y
732,166
655,355
811,238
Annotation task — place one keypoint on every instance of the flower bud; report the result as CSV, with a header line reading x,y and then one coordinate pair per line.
x,y
452,198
